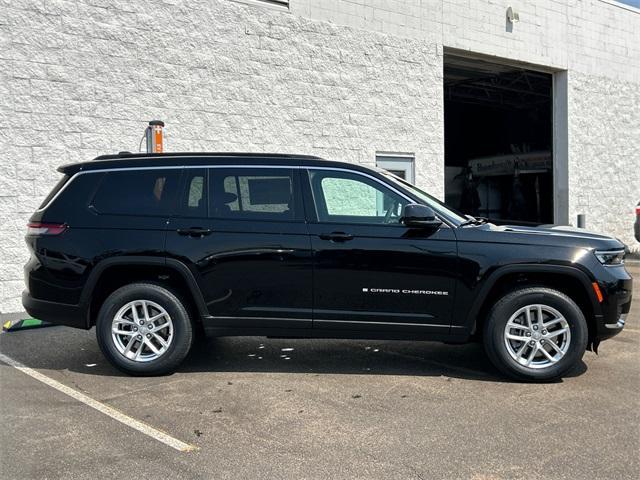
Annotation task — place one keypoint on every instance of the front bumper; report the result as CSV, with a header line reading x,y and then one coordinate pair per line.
x,y
617,293
619,325
54,312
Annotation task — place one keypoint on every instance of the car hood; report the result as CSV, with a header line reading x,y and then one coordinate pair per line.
x,y
556,235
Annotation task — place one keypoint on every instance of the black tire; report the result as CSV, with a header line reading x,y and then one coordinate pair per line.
x,y
494,328
174,306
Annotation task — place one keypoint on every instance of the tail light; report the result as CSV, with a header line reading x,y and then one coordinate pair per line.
x,y
638,210
36,229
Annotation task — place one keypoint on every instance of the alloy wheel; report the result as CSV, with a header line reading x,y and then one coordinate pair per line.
x,y
142,331
537,336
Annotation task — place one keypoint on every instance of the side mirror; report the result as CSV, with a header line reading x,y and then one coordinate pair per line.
x,y
416,215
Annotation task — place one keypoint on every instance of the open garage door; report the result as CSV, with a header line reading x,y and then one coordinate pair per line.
x,y
498,141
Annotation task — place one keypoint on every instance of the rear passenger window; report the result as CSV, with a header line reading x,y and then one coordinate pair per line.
x,y
253,194
193,202
137,192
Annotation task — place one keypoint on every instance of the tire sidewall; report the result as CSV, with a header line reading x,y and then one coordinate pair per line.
x,y
182,332
503,311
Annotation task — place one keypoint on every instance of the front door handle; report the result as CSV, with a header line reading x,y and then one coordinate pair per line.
x,y
194,232
336,236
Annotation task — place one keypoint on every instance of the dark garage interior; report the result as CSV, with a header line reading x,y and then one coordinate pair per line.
x,y
498,141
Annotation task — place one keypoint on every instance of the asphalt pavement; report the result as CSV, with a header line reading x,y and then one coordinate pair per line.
x,y
259,408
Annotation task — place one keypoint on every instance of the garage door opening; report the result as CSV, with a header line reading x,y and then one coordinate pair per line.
x,y
498,141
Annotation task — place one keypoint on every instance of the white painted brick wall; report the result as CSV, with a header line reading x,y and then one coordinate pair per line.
x,y
338,78
597,41
592,36
604,153
81,78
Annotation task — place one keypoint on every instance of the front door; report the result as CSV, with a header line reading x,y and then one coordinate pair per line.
x,y
370,271
242,232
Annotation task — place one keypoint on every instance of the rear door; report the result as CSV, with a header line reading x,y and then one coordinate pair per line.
x,y
129,210
241,230
370,271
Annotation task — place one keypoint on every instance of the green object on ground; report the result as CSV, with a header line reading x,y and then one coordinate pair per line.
x,y
15,325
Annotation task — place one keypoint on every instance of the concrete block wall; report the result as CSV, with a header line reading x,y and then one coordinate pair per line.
x,y
598,37
78,79
604,116
406,18
338,78
596,41
604,153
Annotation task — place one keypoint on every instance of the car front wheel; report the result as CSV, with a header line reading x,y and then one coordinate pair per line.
x,y
535,334
144,329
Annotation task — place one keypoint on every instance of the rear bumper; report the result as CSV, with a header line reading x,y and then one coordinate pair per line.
x,y
54,312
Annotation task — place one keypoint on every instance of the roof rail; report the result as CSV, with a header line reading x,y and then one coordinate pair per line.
x,y
125,154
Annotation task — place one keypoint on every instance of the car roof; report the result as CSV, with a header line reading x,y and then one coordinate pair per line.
x,y
172,159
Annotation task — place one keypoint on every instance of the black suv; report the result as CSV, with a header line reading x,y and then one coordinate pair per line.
x,y
152,249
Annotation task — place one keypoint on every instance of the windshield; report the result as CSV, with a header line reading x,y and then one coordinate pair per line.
x,y
453,216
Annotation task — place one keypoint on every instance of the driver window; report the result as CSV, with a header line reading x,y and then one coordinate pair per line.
x,y
343,197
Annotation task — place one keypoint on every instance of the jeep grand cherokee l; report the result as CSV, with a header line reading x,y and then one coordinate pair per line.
x,y
151,249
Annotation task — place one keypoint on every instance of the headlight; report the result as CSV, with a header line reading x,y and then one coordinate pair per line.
x,y
610,257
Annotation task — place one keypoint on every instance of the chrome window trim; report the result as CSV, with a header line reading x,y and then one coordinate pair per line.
x,y
102,170
281,167
52,199
390,187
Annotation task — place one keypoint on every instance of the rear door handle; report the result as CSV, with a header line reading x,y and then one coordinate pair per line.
x,y
194,232
336,236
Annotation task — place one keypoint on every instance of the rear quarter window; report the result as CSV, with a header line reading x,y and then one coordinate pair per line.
x,y
61,183
137,192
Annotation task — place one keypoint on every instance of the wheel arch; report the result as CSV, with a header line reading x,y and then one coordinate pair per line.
x,y
112,273
569,280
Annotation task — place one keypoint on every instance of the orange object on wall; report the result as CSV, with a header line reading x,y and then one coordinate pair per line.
x,y
155,136
157,139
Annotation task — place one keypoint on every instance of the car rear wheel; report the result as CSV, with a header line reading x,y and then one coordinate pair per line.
x,y
144,329
535,334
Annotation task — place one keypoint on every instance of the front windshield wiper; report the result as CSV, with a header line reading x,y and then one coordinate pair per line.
x,y
473,221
